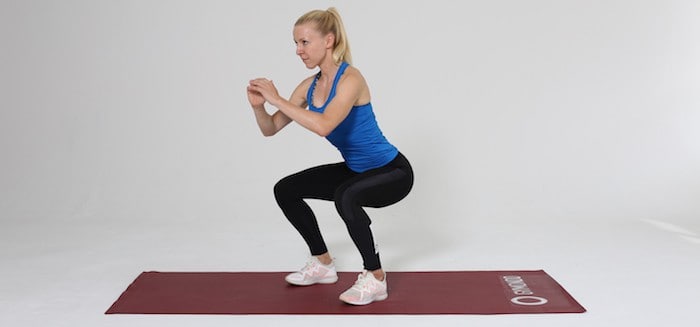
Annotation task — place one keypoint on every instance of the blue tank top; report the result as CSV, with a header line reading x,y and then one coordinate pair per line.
x,y
357,137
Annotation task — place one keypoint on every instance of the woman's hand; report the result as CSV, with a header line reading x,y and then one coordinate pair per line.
x,y
262,87
255,98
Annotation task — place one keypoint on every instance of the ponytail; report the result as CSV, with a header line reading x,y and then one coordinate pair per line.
x,y
329,21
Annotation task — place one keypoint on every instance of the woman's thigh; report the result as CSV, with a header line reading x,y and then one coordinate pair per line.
x,y
377,188
318,182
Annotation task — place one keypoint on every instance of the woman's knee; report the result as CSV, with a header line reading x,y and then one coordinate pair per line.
x,y
347,205
283,188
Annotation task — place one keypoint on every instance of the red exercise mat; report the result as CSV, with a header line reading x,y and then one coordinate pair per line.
x,y
439,292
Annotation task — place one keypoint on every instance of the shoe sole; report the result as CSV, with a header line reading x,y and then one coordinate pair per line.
x,y
327,280
376,299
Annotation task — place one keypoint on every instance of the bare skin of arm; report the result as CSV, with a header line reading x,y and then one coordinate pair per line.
x,y
351,90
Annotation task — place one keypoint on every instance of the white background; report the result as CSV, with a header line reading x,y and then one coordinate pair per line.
x,y
556,135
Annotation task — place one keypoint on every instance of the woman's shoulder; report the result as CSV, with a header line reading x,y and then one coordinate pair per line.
x,y
353,71
306,83
308,80
299,94
353,74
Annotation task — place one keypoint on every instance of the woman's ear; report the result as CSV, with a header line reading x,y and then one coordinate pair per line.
x,y
330,40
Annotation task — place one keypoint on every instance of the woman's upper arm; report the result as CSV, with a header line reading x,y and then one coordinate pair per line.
x,y
298,98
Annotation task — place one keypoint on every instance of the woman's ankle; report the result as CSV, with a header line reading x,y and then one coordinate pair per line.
x,y
378,274
325,259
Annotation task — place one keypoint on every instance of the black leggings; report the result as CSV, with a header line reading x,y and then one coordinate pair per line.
x,y
350,191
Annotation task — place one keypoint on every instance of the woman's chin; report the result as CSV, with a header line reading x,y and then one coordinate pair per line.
x,y
308,64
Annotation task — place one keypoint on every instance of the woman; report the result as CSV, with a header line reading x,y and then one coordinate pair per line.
x,y
373,174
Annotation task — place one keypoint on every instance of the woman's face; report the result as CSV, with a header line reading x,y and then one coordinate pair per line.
x,y
311,45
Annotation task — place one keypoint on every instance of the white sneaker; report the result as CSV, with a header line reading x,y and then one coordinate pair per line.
x,y
366,290
313,273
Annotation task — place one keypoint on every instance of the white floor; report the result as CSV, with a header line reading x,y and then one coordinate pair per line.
x,y
67,272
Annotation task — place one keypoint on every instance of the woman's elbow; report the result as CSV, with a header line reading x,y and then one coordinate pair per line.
x,y
268,132
323,131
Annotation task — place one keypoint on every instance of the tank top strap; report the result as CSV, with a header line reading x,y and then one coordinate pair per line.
x,y
340,72
310,92
331,94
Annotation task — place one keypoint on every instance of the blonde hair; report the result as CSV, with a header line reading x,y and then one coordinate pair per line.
x,y
329,21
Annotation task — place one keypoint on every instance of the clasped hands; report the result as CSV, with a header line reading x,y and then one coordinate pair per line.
x,y
260,90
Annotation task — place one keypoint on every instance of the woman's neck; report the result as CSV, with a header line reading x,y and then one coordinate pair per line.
x,y
328,71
